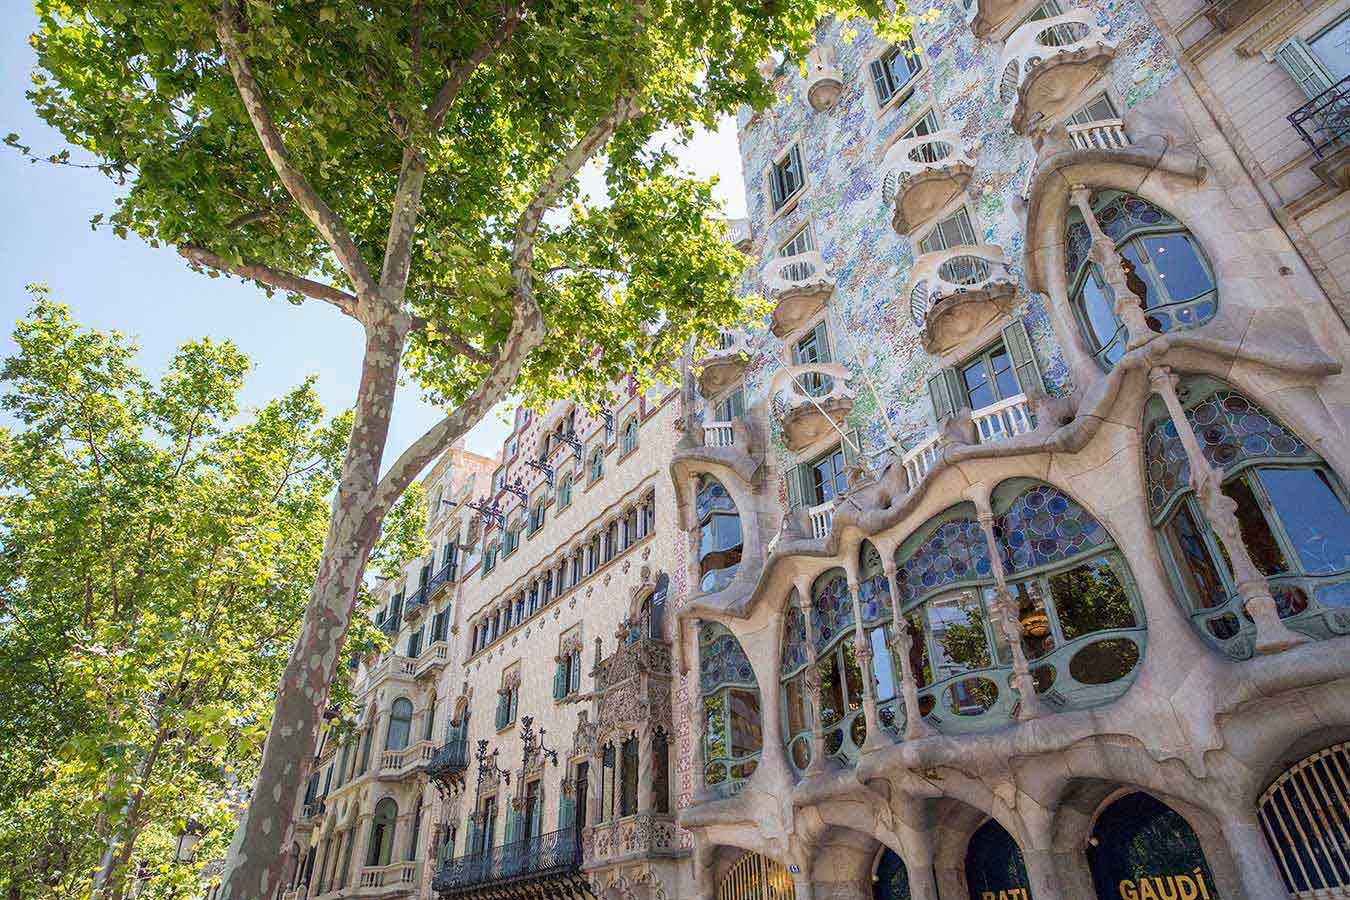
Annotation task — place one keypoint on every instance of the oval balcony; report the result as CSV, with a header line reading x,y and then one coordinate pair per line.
x,y
723,365
798,288
1047,63
824,84
923,175
814,400
985,16
956,292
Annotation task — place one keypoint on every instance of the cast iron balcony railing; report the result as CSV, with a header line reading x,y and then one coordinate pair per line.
x,y
553,855
1324,121
451,758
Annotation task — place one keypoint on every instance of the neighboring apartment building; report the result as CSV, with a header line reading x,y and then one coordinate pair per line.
x,y
1010,559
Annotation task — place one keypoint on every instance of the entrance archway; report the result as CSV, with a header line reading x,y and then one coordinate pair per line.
x,y
994,867
756,877
1305,815
1141,848
891,881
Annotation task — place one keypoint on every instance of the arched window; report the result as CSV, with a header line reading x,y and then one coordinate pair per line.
x,y
732,736
630,437
400,724
1291,509
794,675
1082,627
565,492
1164,264
597,463
720,542
381,846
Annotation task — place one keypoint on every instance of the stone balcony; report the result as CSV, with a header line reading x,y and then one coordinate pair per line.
x,y
824,83
986,16
923,175
724,364
432,660
1047,63
395,880
954,293
398,764
814,399
798,288
640,836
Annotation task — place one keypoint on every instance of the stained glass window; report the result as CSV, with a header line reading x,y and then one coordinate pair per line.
x,y
832,609
794,640
955,551
722,660
1044,525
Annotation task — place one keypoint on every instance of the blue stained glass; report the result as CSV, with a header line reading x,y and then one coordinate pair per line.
x,y
1044,525
794,641
956,551
874,597
831,609
722,660
1118,214
713,496
1230,429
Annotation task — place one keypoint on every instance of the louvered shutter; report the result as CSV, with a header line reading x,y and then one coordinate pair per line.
x,y
776,186
880,80
1017,341
940,392
796,492
512,825
1308,72
536,826
852,448
503,711
823,342
475,837
559,680
567,810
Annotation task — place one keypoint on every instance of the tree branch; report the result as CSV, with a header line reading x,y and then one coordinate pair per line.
x,y
527,322
461,71
454,341
284,281
329,225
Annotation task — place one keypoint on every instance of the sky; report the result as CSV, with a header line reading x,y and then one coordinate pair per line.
x,y
150,293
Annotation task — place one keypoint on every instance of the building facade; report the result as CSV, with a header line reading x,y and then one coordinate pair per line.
x,y
1009,559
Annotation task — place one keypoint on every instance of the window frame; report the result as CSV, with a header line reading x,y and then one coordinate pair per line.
x,y
782,200
897,93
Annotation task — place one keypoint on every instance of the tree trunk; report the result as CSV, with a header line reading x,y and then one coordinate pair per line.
x,y
256,864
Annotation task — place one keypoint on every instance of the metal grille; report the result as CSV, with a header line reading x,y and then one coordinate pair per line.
x,y
1324,121
1306,818
756,877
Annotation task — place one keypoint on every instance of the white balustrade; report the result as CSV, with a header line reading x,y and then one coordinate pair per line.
x,y
1105,134
401,873
1002,420
786,273
1036,47
821,518
718,434
920,458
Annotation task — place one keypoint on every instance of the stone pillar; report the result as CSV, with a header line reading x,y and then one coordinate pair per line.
x,y
1042,874
1006,611
1129,307
697,716
916,851
1272,635
915,726
862,649
645,781
951,882
1251,855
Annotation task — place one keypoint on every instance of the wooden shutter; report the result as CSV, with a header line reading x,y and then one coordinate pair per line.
x,y
939,390
475,837
1017,341
776,185
797,486
567,810
823,342
880,80
1308,72
559,680
852,448
512,825
535,826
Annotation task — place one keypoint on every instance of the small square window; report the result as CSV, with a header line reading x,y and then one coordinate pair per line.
x,y
953,231
894,70
1098,110
989,378
786,178
801,242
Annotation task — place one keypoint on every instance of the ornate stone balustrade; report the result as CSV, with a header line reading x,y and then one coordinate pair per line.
x,y
798,287
724,364
432,659
920,458
1047,63
395,878
398,763
923,174
824,83
1004,419
813,399
1104,134
956,292
642,835
718,434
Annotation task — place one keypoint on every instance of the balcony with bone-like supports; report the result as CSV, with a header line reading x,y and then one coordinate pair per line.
x,y
724,364
999,421
798,286
957,292
923,175
812,399
987,16
1047,63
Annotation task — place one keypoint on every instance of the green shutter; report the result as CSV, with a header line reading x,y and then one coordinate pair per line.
x,y
503,711
798,482
823,342
559,681
512,825
567,810
1017,341
939,390
1311,75
475,837
536,827
576,672
852,448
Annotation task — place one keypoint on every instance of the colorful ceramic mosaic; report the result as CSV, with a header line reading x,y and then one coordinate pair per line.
x,y
831,608
1044,525
795,651
1231,430
722,660
956,551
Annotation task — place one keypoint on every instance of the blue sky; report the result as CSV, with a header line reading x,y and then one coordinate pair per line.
x,y
150,293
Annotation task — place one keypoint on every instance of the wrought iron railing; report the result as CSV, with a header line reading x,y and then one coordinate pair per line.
x,y
557,853
1324,121
451,758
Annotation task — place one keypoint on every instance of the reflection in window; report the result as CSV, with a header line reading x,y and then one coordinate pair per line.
x,y
732,735
720,540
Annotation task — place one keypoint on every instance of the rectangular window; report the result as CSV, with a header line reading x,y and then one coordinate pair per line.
x,y
828,480
660,773
1098,110
989,378
894,70
607,784
883,670
1194,563
730,407
786,178
953,231
629,788
801,242
746,736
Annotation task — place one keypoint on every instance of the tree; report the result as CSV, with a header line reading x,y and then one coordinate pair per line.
x,y
397,162
156,545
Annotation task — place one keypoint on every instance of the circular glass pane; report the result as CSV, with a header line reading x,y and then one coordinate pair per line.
x,y
1103,662
971,696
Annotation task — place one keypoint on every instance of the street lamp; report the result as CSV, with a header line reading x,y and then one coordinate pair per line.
x,y
186,848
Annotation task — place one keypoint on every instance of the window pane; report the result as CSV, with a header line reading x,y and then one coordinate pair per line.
x,y
1256,532
715,724
882,667
1096,308
1179,267
831,691
956,622
1198,572
1004,376
1313,517
1136,274
1037,639
745,727
979,391
1089,598
853,680
796,705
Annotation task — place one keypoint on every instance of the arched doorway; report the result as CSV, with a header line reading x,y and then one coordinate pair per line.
x,y
756,877
1306,819
891,881
1142,847
994,867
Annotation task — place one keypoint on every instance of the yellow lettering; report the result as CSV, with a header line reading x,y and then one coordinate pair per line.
x,y
1128,891
1200,880
1146,890
1167,887
1186,889
988,895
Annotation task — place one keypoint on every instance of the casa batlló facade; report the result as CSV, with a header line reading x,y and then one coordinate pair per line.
x,y
1011,557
